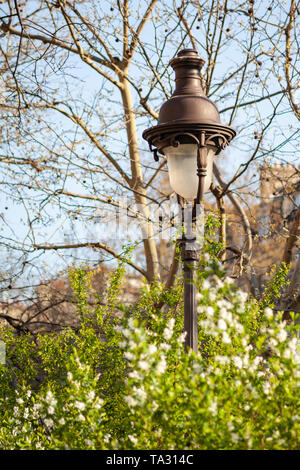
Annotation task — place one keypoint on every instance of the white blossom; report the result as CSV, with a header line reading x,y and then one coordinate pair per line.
x,y
152,349
48,422
129,355
89,443
144,365
133,439
266,388
91,395
161,366
273,343
131,323
225,315
256,361
293,344
98,404
222,359
239,327
154,405
287,353
223,304
242,296
37,407
51,410
205,324
281,442
222,324
219,282
140,393
237,362
230,426
106,438
80,405
226,338
167,334
130,401
268,313
213,407
168,331
245,361
134,375
212,295
282,335
50,398
70,376
171,323
181,338
210,311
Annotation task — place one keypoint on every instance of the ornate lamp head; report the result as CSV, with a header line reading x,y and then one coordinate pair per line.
x,y
189,131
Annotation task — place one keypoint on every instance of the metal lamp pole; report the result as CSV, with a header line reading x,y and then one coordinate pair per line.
x,y
189,250
189,133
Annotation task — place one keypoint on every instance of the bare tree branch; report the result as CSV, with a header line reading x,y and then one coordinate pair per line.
x,y
288,59
98,245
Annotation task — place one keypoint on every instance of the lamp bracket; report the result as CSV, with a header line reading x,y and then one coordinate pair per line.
x,y
189,249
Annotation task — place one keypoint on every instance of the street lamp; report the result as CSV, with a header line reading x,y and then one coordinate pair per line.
x,y
189,133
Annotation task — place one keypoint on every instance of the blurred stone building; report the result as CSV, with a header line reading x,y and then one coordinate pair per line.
x,y
280,200
53,307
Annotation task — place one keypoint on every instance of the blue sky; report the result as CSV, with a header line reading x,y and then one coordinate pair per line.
x,y
88,83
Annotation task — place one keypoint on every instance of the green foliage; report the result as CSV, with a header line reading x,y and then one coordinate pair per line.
x,y
211,245
125,381
273,289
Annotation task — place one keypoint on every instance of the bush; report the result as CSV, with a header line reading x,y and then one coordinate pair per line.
x,y
124,381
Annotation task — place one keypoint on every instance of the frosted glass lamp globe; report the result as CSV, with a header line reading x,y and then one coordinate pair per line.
x,y
182,163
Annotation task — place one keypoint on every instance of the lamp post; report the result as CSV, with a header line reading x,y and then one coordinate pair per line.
x,y
189,133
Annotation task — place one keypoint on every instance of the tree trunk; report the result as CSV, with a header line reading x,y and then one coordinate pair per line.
x,y
137,185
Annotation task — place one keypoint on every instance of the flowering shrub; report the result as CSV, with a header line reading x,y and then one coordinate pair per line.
x,y
124,381
239,392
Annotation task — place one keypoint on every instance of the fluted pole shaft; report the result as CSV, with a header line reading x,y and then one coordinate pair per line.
x,y
190,257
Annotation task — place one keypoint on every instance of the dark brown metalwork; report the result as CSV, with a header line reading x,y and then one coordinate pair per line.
x,y
189,117
188,112
190,251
